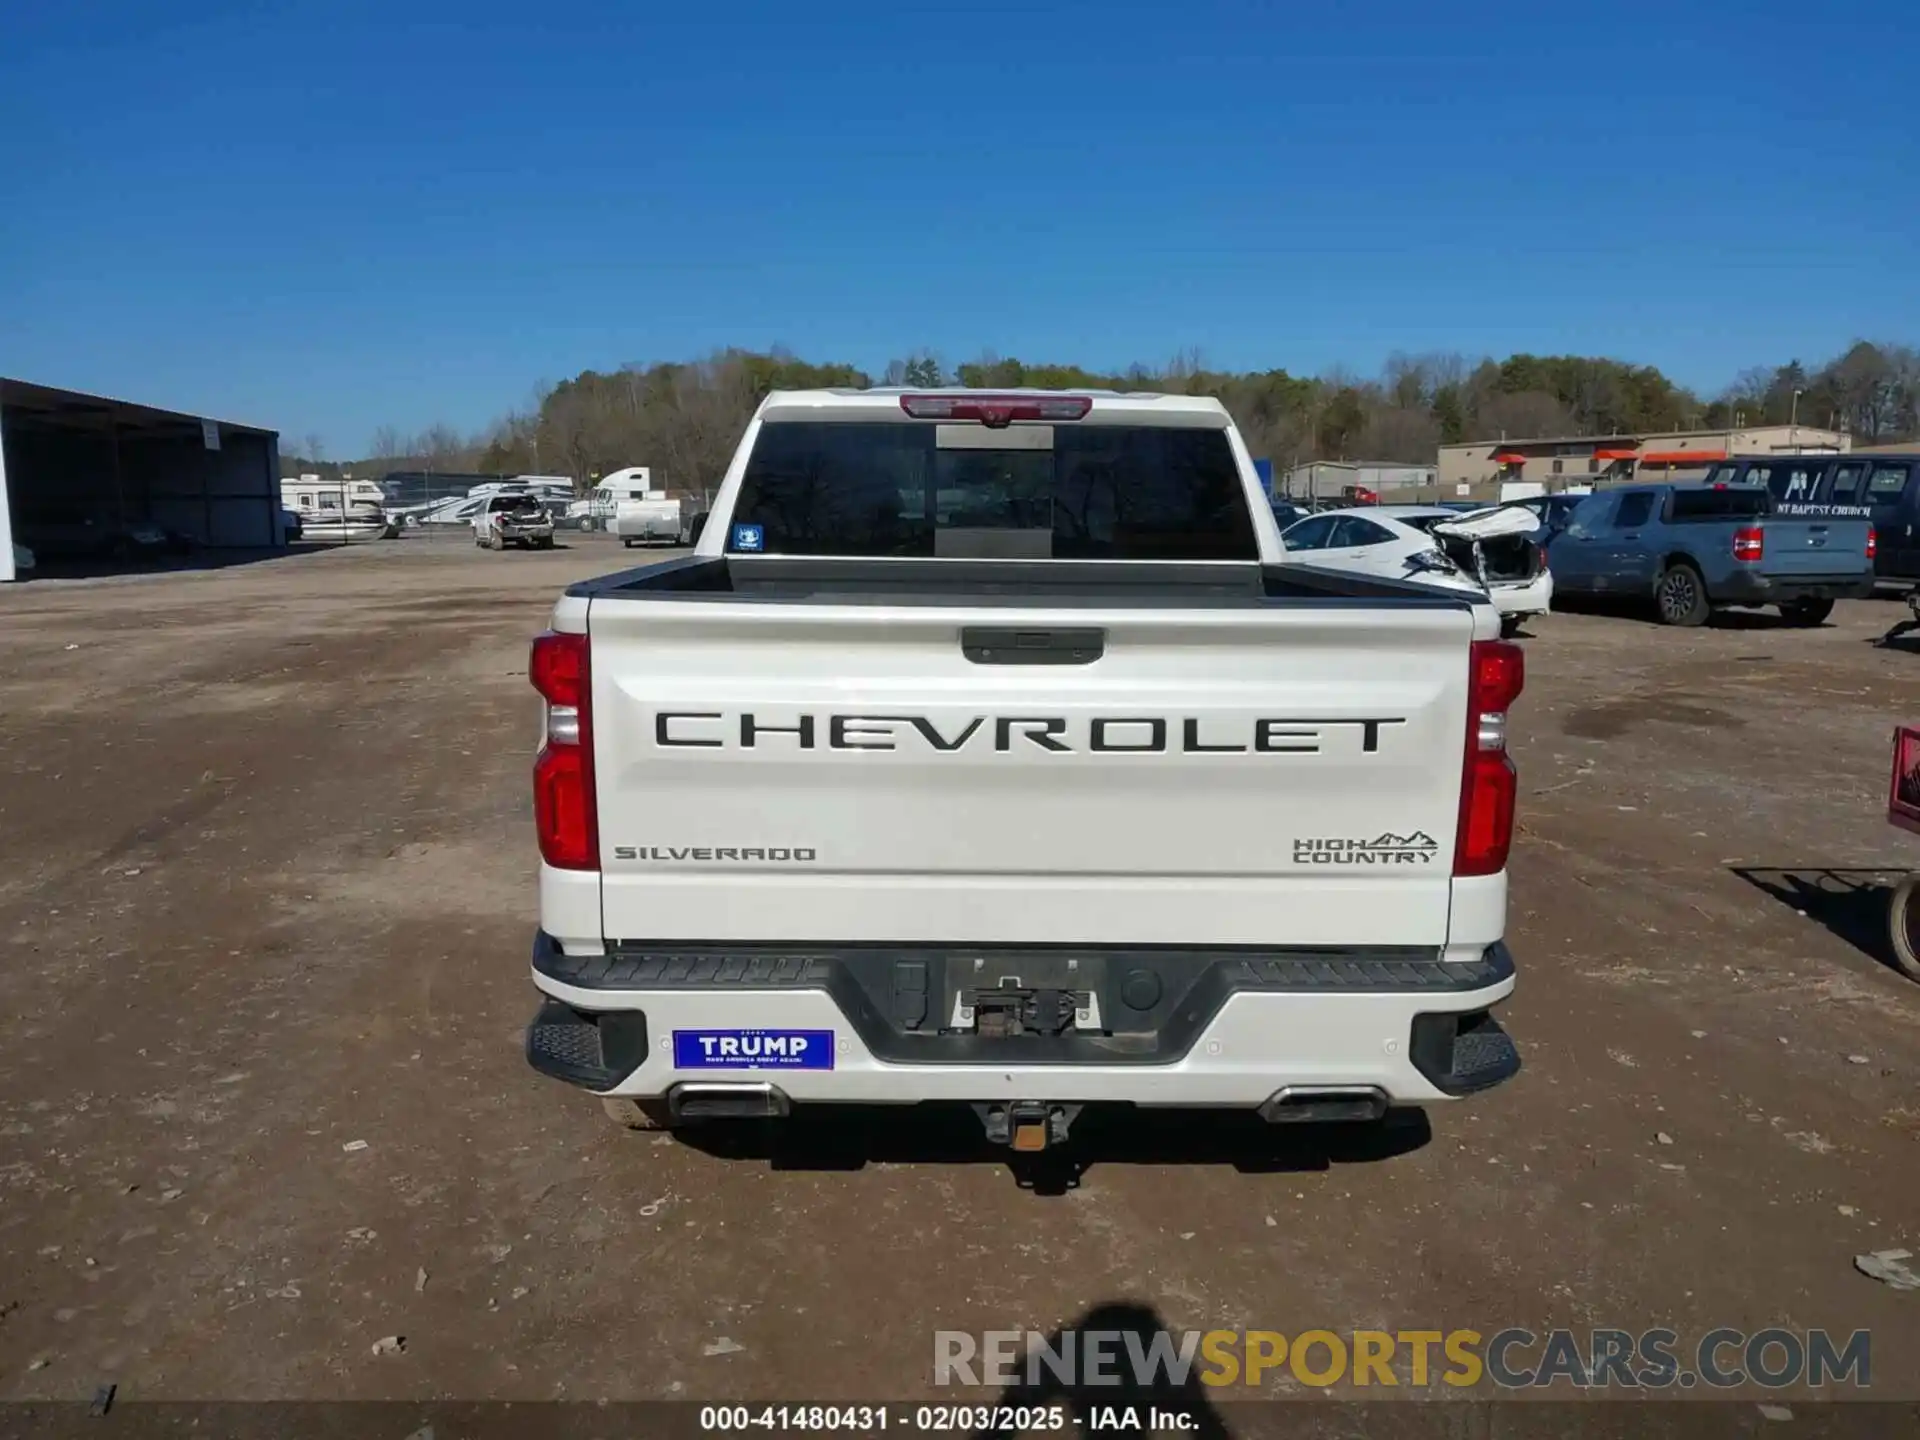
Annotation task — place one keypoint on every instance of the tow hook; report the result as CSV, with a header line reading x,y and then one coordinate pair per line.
x,y
1028,1126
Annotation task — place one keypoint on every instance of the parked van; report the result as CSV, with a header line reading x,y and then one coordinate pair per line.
x,y
1882,488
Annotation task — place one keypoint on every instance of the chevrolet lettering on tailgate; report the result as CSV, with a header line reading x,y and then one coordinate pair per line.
x,y
1052,734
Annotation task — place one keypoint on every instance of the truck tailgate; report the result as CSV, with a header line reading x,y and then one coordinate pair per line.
x,y
1815,548
1262,775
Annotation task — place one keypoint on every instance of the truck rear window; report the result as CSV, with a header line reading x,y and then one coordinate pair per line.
x,y
1073,492
1731,503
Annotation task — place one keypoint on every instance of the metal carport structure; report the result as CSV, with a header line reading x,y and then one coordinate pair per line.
x,y
69,459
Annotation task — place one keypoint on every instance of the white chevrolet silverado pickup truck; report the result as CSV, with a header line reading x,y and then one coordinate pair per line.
x,y
984,752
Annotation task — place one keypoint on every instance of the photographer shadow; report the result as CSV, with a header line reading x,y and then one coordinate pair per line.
x,y
1129,1330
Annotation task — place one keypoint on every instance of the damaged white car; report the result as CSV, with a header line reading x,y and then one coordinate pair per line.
x,y
1496,551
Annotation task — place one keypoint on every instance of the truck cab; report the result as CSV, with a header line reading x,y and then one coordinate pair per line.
x,y
597,510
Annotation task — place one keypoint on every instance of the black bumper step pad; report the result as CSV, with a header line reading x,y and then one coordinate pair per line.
x,y
1463,1053
595,1052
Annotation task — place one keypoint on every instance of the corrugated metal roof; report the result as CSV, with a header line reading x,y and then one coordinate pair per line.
x,y
76,405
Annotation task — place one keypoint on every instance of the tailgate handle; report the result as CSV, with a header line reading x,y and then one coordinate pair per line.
x,y
1011,645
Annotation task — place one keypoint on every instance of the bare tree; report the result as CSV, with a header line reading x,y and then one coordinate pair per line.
x,y
1288,438
1751,385
1595,400
1185,371
1399,433
1407,381
1866,390
567,425
1904,363
1531,414
441,447
1446,368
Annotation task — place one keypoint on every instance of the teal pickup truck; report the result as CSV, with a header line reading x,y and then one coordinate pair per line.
x,y
1693,549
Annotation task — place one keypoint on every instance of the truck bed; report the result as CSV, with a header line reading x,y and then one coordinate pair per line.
x,y
1092,584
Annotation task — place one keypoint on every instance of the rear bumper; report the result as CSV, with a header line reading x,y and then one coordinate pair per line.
x,y
1530,597
1178,1028
1751,588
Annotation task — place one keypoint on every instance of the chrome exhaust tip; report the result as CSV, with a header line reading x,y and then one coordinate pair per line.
x,y
1307,1104
710,1100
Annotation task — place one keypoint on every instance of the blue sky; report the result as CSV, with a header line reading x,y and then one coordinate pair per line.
x,y
329,216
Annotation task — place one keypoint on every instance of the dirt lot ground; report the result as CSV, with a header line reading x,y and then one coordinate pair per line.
x,y
266,896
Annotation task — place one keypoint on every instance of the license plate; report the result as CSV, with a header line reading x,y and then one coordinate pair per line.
x,y
753,1049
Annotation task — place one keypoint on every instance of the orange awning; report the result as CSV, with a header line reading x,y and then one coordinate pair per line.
x,y
1681,457
1509,457
1616,454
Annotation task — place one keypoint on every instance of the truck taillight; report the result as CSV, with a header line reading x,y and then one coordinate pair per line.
x,y
564,814
1497,672
1873,543
1749,542
996,411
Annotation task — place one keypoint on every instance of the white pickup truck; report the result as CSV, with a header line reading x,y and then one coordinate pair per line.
x,y
983,752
